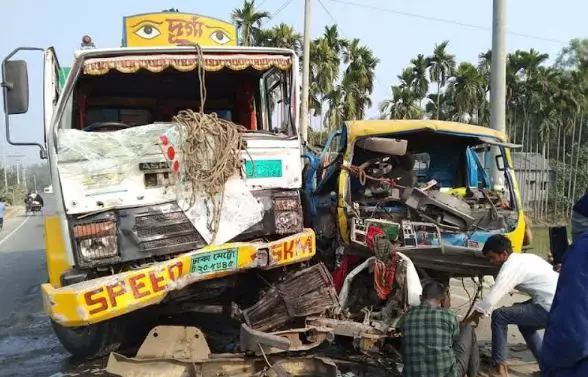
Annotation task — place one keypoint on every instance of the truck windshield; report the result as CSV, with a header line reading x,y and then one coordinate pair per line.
x,y
258,100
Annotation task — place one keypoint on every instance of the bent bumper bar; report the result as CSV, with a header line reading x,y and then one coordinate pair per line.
x,y
107,297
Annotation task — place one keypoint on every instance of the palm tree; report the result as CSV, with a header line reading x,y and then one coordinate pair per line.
x,y
419,71
402,105
406,98
358,78
334,40
468,91
335,112
263,38
282,36
572,55
325,58
440,66
248,21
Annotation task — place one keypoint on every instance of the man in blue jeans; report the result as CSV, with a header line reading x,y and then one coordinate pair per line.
x,y
529,274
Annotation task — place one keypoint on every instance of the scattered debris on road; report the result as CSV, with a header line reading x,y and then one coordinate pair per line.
x,y
296,328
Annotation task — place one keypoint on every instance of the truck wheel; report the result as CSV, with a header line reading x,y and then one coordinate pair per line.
x,y
92,341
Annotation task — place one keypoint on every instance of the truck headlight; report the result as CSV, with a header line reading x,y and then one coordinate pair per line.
x,y
288,213
96,240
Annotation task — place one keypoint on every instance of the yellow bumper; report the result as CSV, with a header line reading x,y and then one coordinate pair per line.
x,y
100,299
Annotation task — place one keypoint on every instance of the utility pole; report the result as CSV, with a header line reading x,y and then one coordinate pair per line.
x,y
305,72
498,83
5,157
5,173
24,177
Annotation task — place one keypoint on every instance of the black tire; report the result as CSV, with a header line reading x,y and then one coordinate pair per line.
x,y
93,341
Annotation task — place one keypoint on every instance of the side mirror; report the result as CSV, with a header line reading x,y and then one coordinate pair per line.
x,y
500,162
15,85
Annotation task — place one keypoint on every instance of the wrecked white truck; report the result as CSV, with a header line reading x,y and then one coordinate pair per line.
x,y
130,229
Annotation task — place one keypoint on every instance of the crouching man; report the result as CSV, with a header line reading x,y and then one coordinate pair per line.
x,y
434,343
529,274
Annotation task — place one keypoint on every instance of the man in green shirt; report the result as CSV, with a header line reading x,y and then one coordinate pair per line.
x,y
434,343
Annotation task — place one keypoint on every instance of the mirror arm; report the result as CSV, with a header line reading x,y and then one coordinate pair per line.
x,y
5,87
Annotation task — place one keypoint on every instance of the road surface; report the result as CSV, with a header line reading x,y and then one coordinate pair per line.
x,y
28,346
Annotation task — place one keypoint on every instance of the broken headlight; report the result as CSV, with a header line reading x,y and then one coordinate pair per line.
x,y
288,213
96,240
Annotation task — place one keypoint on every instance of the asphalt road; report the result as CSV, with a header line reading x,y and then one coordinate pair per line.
x,y
28,346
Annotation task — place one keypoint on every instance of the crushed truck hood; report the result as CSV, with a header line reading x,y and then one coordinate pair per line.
x,y
101,170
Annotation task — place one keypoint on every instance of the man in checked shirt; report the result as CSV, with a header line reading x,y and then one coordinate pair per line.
x,y
434,343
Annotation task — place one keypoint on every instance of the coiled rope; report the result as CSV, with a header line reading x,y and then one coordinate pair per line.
x,y
210,151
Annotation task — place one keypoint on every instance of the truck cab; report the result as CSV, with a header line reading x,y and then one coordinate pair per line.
x,y
425,181
126,235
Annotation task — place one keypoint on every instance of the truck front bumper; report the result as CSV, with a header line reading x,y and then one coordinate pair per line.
x,y
107,297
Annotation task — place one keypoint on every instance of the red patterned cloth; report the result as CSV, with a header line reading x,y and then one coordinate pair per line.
x,y
384,277
340,273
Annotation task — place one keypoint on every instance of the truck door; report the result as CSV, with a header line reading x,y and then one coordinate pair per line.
x,y
51,87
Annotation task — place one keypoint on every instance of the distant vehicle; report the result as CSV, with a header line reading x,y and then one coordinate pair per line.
x,y
48,190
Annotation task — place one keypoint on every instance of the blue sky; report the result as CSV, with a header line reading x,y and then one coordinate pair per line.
x,y
395,30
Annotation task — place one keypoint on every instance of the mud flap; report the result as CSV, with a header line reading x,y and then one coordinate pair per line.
x,y
174,342
128,367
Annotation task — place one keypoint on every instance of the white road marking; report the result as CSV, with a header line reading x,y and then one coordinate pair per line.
x,y
14,230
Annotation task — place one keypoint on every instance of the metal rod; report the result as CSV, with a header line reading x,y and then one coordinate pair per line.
x,y
305,72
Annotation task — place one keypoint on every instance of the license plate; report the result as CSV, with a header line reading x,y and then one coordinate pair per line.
x,y
102,180
215,261
263,168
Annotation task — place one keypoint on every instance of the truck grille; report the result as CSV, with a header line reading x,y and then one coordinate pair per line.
x,y
184,240
156,230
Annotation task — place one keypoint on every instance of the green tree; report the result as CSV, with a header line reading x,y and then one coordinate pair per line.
x,y
420,84
468,92
441,65
248,20
358,79
406,98
282,36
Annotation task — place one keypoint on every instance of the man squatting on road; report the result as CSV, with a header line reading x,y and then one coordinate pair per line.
x,y
528,273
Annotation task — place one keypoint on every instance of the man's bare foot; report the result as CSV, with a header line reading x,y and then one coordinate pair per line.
x,y
500,370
